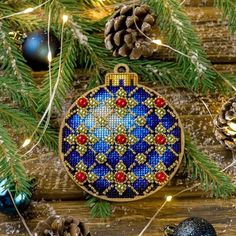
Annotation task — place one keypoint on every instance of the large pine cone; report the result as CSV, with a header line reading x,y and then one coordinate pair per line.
x,y
122,35
225,125
61,226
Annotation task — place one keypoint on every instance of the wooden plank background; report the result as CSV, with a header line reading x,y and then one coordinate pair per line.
x,y
55,192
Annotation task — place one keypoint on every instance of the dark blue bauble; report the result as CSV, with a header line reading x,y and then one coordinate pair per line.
x,y
35,49
21,200
194,226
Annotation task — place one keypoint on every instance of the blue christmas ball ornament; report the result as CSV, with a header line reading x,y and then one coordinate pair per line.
x,y
35,49
21,200
121,141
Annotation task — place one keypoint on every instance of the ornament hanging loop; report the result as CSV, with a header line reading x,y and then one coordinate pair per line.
x,y
122,66
121,78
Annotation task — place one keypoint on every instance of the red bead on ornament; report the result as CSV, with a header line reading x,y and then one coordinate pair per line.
x,y
82,102
81,139
81,177
121,139
161,177
120,177
160,102
121,102
160,139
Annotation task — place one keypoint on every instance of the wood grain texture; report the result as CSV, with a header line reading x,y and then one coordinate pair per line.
x,y
56,193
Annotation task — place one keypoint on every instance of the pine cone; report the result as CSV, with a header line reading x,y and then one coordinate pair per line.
x,y
122,35
225,125
61,226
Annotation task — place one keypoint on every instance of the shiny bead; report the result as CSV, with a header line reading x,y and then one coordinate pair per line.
x,y
121,102
160,139
81,177
82,102
120,177
161,177
81,139
121,139
160,102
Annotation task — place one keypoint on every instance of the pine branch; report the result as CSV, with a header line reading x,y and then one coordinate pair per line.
x,y
201,168
19,120
98,207
11,167
173,22
228,7
15,68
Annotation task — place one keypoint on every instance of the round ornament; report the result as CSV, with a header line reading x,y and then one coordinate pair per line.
x,y
21,200
121,141
194,226
35,49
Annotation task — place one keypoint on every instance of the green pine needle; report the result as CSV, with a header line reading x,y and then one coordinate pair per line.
x,y
99,208
228,7
201,168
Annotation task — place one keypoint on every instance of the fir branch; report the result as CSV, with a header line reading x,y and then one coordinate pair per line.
x,y
15,68
173,22
11,167
228,7
201,168
25,121
99,208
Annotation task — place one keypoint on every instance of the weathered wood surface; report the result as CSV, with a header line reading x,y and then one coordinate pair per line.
x,y
60,195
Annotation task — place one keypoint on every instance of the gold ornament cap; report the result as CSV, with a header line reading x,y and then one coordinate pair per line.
x,y
121,78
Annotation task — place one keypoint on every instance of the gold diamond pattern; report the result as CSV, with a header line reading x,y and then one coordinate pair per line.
x,y
160,149
109,177
140,121
93,103
120,166
101,158
149,102
121,93
70,139
92,177
131,177
132,103
160,129
81,166
140,158
102,121
149,177
81,149
121,149
82,129
92,139
120,187
149,139
82,112
171,139
160,112
160,166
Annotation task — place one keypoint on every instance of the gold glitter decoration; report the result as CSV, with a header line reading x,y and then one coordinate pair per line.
x,y
160,112
149,139
120,166
120,188
81,149
101,158
160,166
140,120
160,149
70,139
81,166
149,102
160,129
171,139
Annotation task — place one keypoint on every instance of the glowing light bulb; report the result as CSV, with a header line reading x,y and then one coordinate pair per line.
x,y
28,10
49,56
65,18
169,198
157,41
26,142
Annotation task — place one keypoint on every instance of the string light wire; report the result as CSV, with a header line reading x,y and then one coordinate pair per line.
x,y
49,107
26,11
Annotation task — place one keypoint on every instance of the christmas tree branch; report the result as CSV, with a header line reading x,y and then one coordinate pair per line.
x,y
201,168
27,122
174,23
228,7
15,68
11,167
99,208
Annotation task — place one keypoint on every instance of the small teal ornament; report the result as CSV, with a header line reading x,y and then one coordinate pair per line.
x,y
21,200
35,49
121,141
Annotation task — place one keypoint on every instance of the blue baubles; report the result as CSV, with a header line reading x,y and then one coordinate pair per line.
x,y
194,226
21,200
121,141
35,49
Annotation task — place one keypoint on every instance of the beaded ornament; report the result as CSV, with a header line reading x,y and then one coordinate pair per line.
x,y
121,141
